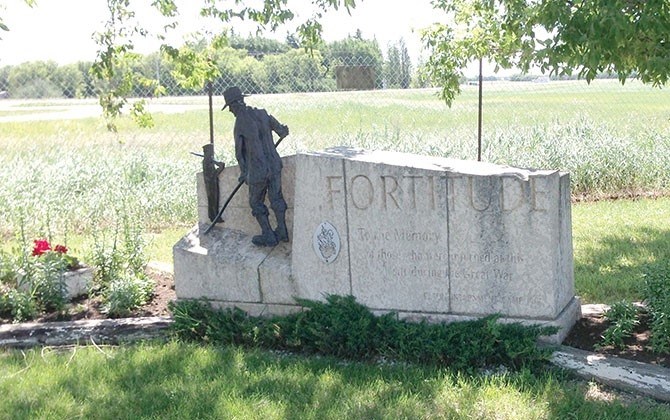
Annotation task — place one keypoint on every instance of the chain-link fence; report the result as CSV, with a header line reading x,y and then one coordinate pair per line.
x,y
295,70
613,139
372,100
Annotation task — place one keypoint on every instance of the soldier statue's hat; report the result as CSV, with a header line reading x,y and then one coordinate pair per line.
x,y
231,95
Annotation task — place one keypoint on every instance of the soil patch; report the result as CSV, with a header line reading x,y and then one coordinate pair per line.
x,y
92,308
587,332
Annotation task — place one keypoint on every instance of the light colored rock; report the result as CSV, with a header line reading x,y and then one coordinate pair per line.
x,y
320,203
505,242
438,235
227,270
77,281
276,282
398,232
258,309
428,238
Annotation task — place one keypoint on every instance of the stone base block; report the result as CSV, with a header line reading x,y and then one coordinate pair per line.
x,y
427,238
78,281
231,272
258,309
227,267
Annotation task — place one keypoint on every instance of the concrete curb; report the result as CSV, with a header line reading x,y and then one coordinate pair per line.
x,y
628,375
96,331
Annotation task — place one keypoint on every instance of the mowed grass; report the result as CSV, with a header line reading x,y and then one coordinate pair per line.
x,y
614,242
187,381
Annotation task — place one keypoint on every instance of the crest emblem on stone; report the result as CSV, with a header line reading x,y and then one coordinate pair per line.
x,y
326,242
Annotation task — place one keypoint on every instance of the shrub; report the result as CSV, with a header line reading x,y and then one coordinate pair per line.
x,y
17,305
343,328
623,318
339,327
127,293
657,298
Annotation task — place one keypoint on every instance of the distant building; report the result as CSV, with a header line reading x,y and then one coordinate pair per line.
x,y
355,77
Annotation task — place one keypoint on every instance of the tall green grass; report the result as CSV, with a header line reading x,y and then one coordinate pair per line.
x,y
71,178
71,175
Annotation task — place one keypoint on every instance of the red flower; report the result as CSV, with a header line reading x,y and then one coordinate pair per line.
x,y
41,246
61,249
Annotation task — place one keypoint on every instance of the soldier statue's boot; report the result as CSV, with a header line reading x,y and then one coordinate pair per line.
x,y
267,236
281,232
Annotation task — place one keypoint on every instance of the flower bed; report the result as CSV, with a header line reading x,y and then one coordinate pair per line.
x,y
42,280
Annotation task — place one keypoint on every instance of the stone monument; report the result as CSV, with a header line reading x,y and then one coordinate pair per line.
x,y
427,238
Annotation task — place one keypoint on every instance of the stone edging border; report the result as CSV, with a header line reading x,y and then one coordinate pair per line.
x,y
628,375
642,378
96,331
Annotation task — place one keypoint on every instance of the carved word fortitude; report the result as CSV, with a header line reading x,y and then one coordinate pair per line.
x,y
411,192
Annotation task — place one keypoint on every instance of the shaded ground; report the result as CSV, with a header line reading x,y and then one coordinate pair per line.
x,y
158,305
91,308
585,335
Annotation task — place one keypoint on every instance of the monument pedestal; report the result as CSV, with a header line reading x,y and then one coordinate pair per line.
x,y
427,238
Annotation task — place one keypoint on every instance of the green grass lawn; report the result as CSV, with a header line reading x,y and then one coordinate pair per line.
x,y
613,242
187,381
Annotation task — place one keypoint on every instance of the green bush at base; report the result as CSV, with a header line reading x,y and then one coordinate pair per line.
x,y
343,328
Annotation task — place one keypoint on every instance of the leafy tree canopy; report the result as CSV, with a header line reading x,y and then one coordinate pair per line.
x,y
116,59
560,37
3,26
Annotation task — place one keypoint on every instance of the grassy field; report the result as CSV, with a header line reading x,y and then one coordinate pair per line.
x,y
70,179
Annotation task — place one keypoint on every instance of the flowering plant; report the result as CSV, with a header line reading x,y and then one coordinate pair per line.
x,y
42,248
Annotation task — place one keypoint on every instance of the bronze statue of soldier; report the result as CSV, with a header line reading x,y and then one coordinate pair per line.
x,y
260,164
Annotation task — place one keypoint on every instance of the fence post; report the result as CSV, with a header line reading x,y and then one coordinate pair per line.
x,y
479,117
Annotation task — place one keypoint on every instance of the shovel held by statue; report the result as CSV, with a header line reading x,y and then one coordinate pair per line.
x,y
217,219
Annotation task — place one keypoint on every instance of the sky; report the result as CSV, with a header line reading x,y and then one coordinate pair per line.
x,y
62,30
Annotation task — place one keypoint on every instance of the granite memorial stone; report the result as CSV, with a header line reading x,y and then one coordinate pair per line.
x,y
424,237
